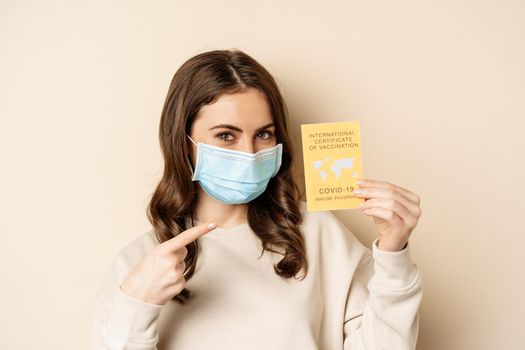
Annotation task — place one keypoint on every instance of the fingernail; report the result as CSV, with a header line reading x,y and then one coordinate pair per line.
x,y
212,225
360,182
362,205
358,191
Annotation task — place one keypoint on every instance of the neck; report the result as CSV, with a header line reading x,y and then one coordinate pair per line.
x,y
208,209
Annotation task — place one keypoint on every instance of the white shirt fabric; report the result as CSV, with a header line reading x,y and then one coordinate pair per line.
x,y
353,297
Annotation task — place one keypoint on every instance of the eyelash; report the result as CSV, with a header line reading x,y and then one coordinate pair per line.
x,y
227,133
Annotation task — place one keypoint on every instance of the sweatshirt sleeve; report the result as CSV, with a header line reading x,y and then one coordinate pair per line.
x,y
121,321
383,302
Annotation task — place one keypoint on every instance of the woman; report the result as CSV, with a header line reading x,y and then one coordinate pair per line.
x,y
234,260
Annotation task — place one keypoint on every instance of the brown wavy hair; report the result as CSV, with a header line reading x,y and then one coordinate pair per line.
x,y
274,216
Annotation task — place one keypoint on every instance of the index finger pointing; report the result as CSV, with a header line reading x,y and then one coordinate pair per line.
x,y
186,237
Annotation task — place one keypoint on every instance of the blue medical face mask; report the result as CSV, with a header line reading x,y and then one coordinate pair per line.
x,y
235,177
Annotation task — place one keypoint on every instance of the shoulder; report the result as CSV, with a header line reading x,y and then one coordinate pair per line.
x,y
317,221
125,259
327,234
322,223
133,251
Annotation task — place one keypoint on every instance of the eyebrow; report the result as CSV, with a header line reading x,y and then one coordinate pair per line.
x,y
233,127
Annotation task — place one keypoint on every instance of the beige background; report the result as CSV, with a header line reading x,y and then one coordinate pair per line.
x,y
437,85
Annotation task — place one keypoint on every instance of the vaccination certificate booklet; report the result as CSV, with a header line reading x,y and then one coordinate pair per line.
x,y
332,164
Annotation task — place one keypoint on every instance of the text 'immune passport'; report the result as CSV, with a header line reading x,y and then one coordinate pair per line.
x,y
332,165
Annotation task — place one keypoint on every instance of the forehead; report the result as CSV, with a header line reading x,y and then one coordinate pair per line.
x,y
247,109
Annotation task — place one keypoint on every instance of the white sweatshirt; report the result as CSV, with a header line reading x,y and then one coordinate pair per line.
x,y
351,298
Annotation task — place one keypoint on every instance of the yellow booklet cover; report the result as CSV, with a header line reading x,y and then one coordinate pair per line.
x,y
332,165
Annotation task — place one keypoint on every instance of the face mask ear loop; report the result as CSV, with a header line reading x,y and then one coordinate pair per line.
x,y
191,139
188,159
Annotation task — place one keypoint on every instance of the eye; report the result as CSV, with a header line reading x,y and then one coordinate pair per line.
x,y
224,134
269,133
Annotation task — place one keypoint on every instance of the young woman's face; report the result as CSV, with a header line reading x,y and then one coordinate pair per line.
x,y
240,121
